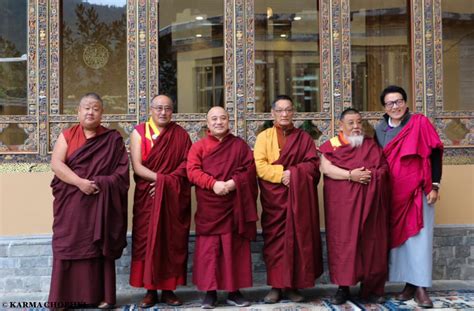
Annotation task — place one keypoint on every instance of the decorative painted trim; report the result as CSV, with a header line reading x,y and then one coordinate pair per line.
x,y
325,75
229,64
132,57
346,54
417,54
55,57
153,45
438,55
43,76
142,60
336,34
32,59
250,55
24,167
240,73
428,57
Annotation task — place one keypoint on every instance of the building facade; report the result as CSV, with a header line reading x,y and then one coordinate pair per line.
x,y
239,54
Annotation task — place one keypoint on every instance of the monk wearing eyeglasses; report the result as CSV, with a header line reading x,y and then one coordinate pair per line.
x,y
162,204
288,173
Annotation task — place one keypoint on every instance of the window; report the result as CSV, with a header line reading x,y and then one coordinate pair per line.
x,y
13,58
94,53
458,54
380,47
287,53
191,53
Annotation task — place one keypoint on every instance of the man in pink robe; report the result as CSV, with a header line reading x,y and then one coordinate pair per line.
x,y
162,205
221,166
356,203
287,166
414,154
90,190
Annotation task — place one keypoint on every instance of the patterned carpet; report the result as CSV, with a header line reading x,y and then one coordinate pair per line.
x,y
442,300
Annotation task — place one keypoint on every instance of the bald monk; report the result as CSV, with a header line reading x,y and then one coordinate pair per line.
x,y
288,173
221,166
162,205
90,189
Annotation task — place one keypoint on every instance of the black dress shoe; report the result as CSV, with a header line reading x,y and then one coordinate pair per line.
x,y
210,300
422,298
342,295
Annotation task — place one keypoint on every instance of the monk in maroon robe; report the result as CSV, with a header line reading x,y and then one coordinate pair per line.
x,y
287,166
162,205
356,196
90,190
223,170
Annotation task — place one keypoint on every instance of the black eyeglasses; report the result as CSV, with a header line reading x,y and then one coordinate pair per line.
x,y
399,102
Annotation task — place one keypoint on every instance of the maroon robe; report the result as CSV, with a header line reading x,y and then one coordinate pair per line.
x,y
161,223
357,218
226,224
290,218
89,231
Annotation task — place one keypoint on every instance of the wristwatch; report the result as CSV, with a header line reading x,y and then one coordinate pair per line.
x,y
436,186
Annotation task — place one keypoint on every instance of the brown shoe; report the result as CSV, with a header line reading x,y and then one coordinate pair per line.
x,y
407,293
294,295
273,296
422,298
150,299
170,298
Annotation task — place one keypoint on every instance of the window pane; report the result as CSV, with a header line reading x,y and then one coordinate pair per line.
x,y
380,47
13,58
458,54
191,53
287,53
94,53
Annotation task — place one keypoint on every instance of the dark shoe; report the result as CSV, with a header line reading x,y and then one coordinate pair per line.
x,y
170,298
377,299
273,296
407,293
105,305
210,300
150,299
341,296
236,299
422,298
294,295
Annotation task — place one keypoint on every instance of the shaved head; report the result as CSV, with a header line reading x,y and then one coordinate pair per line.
x,y
216,109
218,122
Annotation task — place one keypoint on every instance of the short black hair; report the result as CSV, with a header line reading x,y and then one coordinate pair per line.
x,y
349,110
281,97
392,89
94,96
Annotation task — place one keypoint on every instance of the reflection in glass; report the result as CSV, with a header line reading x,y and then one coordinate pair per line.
x,y
458,54
12,137
287,53
94,53
13,57
191,53
380,47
